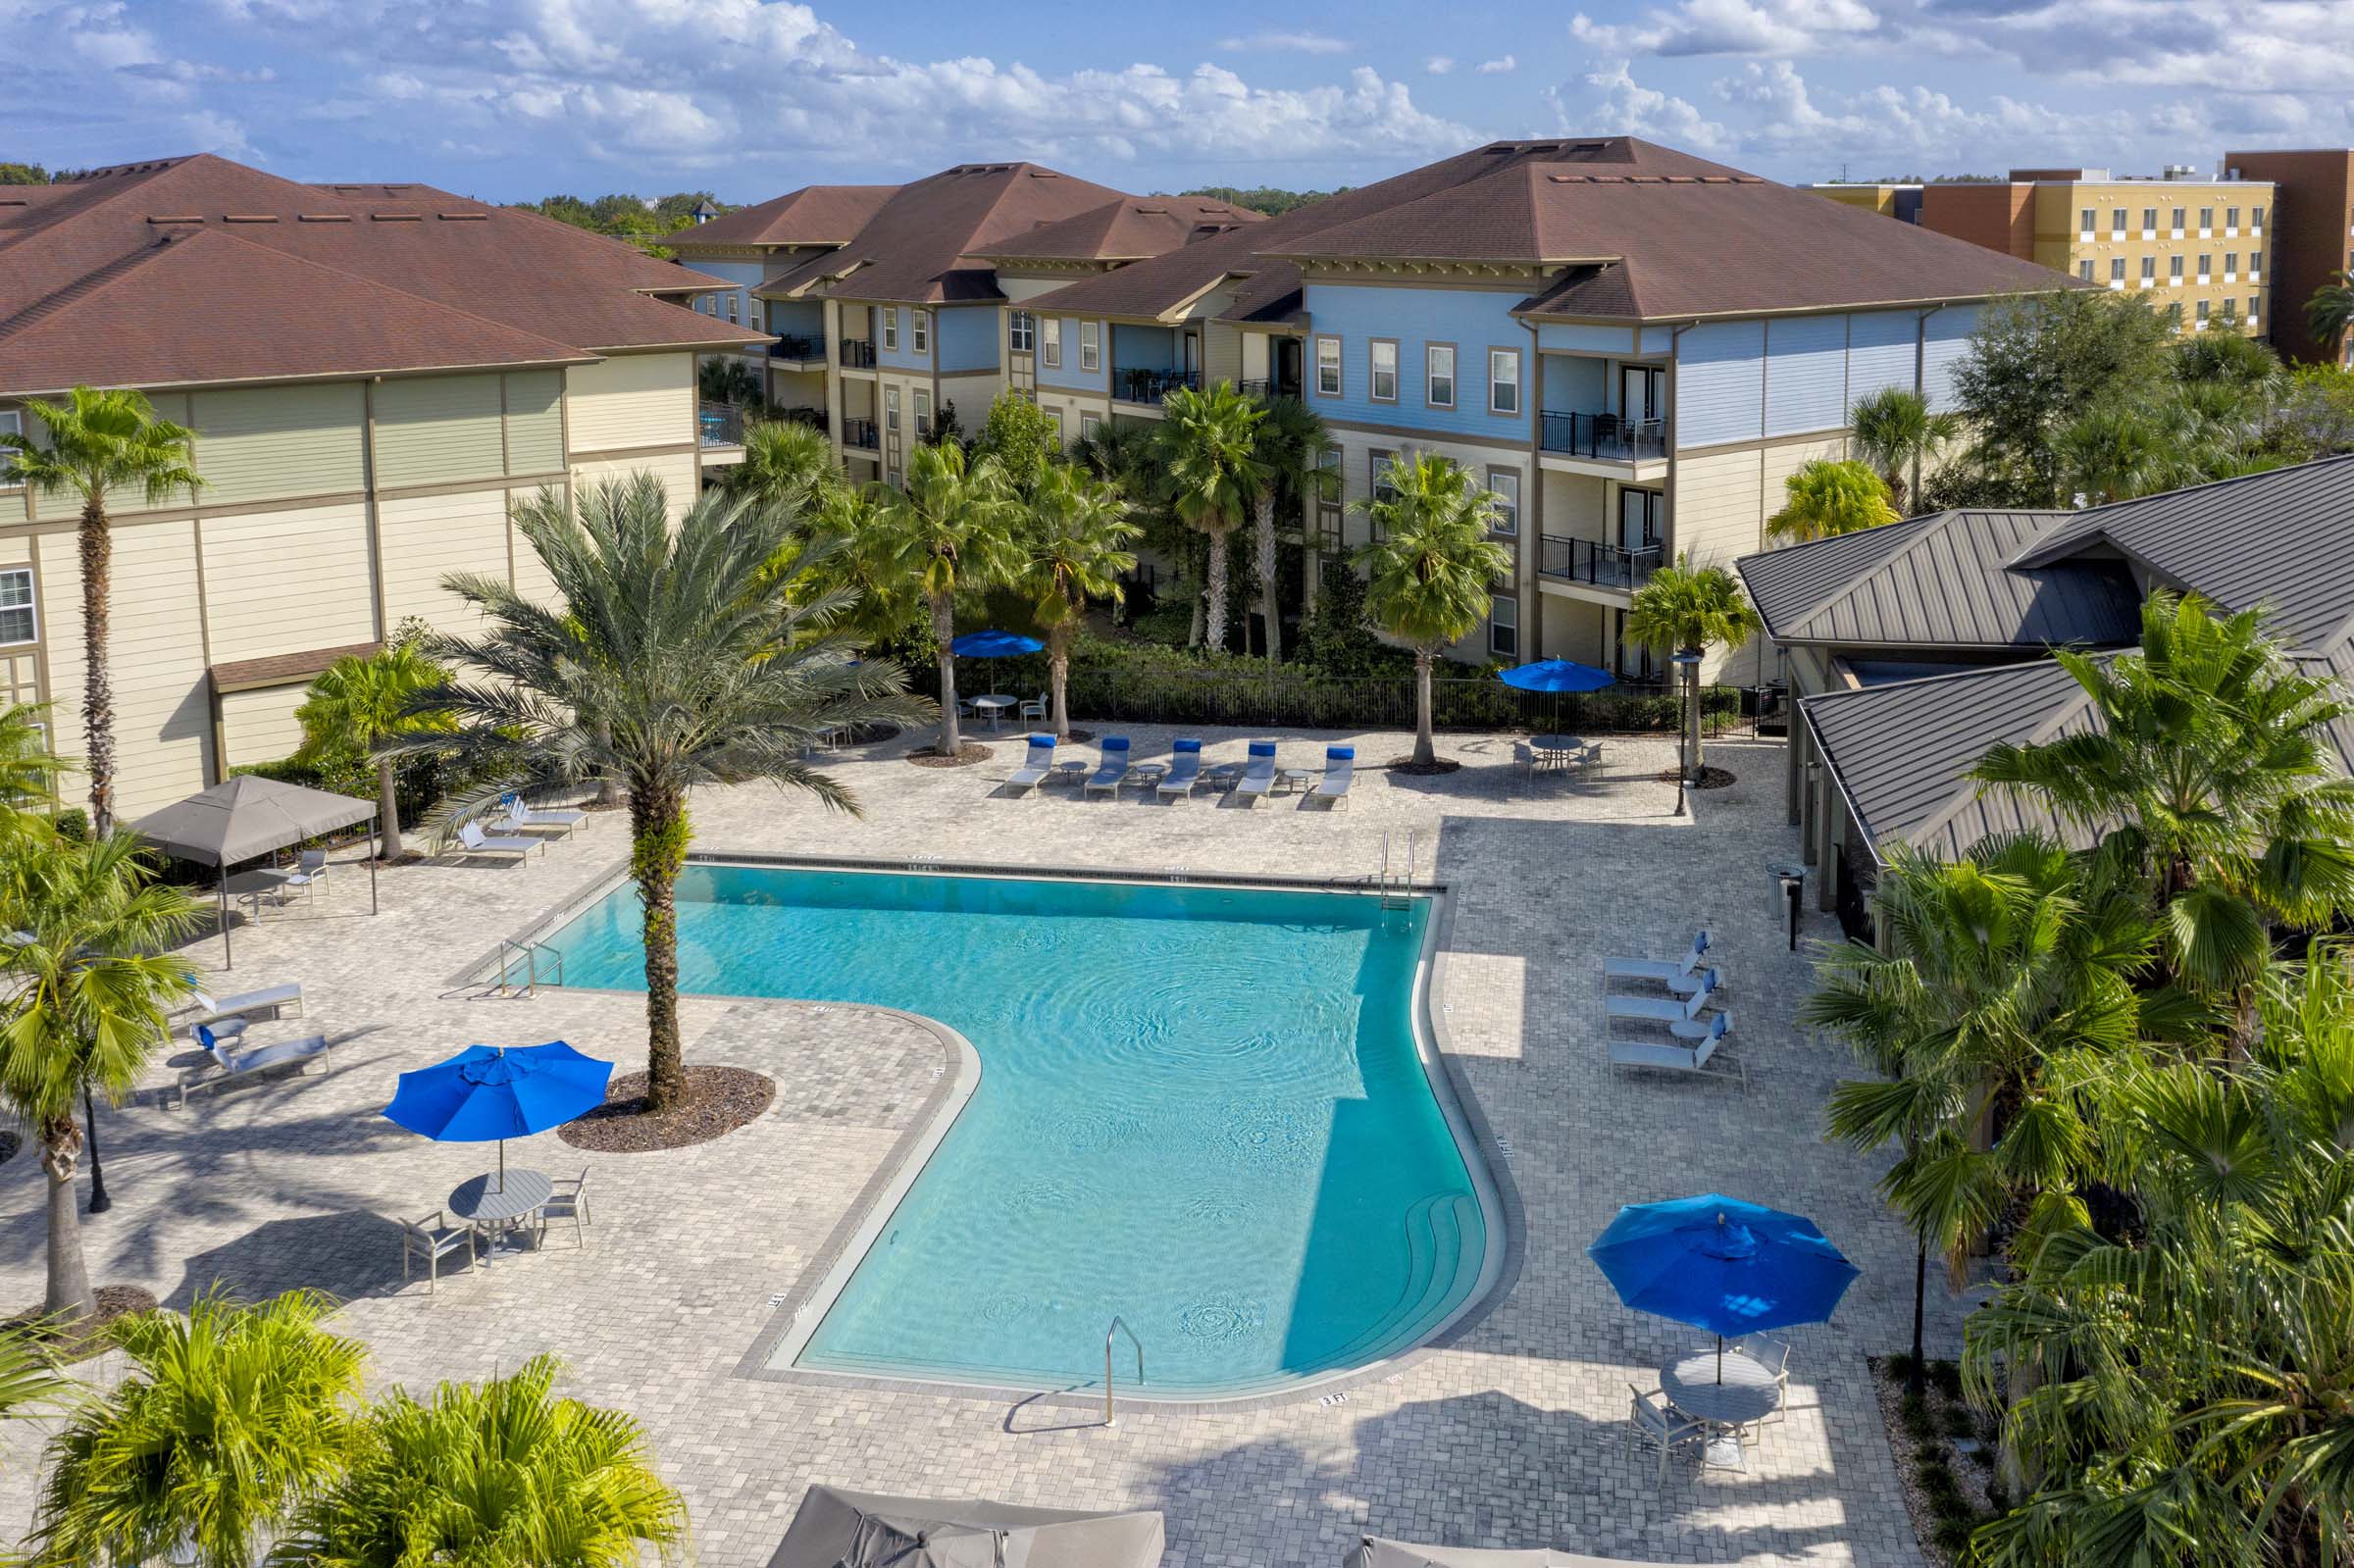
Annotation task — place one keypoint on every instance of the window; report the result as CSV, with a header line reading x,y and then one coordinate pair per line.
x,y
2231,220
1438,365
2174,271
1054,423
1052,342
923,415
891,327
1328,367
891,409
2204,267
2149,223
1504,627
1503,380
732,305
1091,345
2254,219
2117,223
922,338
12,423
2206,221
2116,272
1504,483
1382,363
2084,226
2178,222
2149,271
2255,264
2084,269
1328,500
1021,331
2202,313
2231,267
15,606
1088,426
2251,310
1377,477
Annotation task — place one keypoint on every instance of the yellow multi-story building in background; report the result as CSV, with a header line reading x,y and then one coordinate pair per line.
x,y
2193,245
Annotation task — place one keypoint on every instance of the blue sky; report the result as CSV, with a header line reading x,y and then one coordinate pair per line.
x,y
750,98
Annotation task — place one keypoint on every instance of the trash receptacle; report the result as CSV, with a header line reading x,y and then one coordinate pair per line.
x,y
1788,883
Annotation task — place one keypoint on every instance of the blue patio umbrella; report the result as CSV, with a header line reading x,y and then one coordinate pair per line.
x,y
1556,675
1722,1265
994,645
487,1093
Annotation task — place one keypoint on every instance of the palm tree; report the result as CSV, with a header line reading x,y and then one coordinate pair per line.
x,y
2208,778
358,705
853,558
1077,544
2114,454
87,991
1687,609
498,1475
1210,444
1896,433
28,771
1824,498
2004,987
666,665
2329,313
1290,442
96,446
1432,566
786,462
954,530
233,1417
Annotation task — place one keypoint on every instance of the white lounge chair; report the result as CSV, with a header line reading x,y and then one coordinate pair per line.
x,y
1038,765
1185,769
1662,1425
1679,975
1340,771
564,817
1258,773
239,1009
1113,771
1667,1010
472,841
241,1064
1695,1058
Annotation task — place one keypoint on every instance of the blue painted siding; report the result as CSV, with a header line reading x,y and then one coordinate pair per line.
x,y
1805,375
802,318
1720,384
1069,376
904,357
1575,385
1879,352
1142,348
1659,340
746,276
1945,343
966,338
1575,337
1472,321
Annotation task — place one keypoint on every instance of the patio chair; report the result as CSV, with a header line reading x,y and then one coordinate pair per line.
x,y
434,1239
472,841
1034,709
1038,765
1667,1010
1113,771
1660,1424
239,1009
569,1202
234,1065
1340,771
1774,1357
1679,975
1185,769
527,816
1258,773
310,872
1694,1060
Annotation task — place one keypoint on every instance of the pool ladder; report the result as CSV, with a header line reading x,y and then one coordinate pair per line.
x,y
1119,1325
532,953
1397,895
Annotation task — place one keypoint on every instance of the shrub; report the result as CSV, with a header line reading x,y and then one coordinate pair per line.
x,y
1938,1482
1947,1376
1952,1532
1958,1422
74,825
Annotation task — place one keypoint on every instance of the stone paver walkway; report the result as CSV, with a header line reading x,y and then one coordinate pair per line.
x,y
1514,1434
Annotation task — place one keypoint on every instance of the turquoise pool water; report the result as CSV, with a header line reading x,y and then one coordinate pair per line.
x,y
1200,1108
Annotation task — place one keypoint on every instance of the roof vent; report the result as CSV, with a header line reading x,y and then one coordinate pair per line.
x,y
1163,211
249,217
322,217
186,217
1715,179
395,218
462,218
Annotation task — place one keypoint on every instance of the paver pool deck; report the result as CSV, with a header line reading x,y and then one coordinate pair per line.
x,y
1512,1432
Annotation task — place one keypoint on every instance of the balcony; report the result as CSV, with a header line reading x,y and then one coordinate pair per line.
x,y
858,353
1596,564
1603,437
1151,386
814,418
860,435
720,425
1268,390
794,350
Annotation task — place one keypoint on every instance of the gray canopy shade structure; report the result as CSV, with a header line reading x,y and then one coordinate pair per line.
x,y
837,1529
245,817
1372,1551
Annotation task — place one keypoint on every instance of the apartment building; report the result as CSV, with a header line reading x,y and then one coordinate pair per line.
x,y
2312,240
374,374
2194,245
1888,198
1632,347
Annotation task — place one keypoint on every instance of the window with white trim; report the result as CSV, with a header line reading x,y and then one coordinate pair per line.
x,y
732,308
1089,423
1050,340
2149,223
16,623
2206,268
2254,219
1438,376
2116,272
921,340
1091,345
891,327
1021,331
1054,422
2202,313
1504,483
2174,271
891,409
2230,220
2084,269
2117,224
1503,380
1504,627
2231,267
2178,224
2206,221
2084,224
1381,363
1378,474
1328,367
2255,264
2149,271
923,415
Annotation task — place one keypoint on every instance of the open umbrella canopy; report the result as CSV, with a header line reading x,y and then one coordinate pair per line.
x,y
1722,1265
485,1092
1556,675
994,645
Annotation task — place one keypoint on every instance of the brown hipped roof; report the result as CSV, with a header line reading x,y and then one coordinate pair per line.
x,y
201,270
1131,229
814,215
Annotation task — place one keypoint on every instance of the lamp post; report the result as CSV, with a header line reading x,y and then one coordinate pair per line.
x,y
99,1201
1687,667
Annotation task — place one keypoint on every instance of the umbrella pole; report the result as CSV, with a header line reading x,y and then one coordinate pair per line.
x,y
502,1187
1719,1337
372,907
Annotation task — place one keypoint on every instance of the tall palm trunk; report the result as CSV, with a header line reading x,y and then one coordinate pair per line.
x,y
1216,630
1426,749
1267,607
70,1299
1311,573
388,808
1058,674
658,834
944,632
97,683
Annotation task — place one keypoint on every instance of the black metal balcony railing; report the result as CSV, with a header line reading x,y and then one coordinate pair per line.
x,y
1605,437
1600,564
1269,388
858,353
720,425
1151,386
814,418
860,434
798,348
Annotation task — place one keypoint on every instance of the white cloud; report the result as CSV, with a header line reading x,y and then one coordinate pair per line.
x,y
1307,43
1613,102
1499,65
1732,27
1439,65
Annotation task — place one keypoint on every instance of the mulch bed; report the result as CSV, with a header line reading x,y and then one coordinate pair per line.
x,y
1948,1492
930,757
718,1101
1710,777
1408,765
87,1339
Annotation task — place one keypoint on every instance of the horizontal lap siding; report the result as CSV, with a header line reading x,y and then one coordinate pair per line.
x,y
676,471
155,653
1068,375
438,429
1720,384
427,538
1805,375
632,400
1472,321
1222,354
274,442
535,422
1880,347
1945,345
287,582
260,726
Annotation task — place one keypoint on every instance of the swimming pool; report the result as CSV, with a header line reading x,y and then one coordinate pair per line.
x,y
1200,1108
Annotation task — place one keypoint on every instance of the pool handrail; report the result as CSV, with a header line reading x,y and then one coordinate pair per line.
x,y
1119,1325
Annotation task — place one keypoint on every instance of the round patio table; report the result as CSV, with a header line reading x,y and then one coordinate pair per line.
x,y
1295,780
485,1204
1073,770
1748,1394
995,705
1555,745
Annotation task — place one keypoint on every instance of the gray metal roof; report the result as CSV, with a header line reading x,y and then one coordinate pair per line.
x,y
1941,580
